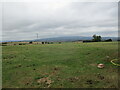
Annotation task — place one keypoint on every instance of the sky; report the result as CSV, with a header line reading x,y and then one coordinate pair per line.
x,y
23,20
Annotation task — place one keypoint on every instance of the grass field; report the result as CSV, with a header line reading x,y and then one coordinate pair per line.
x,y
66,65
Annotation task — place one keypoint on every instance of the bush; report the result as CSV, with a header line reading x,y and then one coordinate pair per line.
x,y
46,42
108,40
87,41
30,42
22,44
59,42
51,42
4,42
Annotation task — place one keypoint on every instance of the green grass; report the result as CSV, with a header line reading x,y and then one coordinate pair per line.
x,y
68,65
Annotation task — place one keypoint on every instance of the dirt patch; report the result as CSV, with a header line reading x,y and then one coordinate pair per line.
x,y
27,81
90,82
56,69
93,64
46,81
73,79
101,77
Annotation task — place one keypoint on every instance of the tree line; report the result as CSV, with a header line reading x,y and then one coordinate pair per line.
x,y
97,39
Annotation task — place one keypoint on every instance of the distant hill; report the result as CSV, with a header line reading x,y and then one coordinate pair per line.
x,y
64,39
72,38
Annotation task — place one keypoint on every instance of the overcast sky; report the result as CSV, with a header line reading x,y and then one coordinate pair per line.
x,y
21,21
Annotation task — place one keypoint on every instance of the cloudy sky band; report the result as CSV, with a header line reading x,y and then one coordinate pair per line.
x,y
23,20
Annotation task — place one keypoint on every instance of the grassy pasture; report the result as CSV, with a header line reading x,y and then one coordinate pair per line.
x,y
66,65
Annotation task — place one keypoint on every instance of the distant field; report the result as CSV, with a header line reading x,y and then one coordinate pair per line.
x,y
66,65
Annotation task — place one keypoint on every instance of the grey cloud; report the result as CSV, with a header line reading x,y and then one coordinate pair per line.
x,y
24,20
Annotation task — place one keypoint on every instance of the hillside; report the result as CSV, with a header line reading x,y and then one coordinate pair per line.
x,y
72,38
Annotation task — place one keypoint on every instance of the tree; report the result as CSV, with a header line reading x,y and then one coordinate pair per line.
x,y
96,38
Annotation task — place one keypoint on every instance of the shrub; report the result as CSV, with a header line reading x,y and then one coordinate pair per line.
x,y
87,41
51,42
30,42
59,42
22,44
46,42
4,42
42,42
108,40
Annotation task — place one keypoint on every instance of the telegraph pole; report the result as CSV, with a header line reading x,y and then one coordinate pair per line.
x,y
37,38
